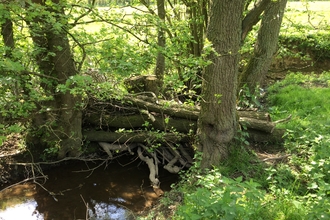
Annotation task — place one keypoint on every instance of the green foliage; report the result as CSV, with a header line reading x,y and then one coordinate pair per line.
x,y
306,97
210,195
305,31
250,99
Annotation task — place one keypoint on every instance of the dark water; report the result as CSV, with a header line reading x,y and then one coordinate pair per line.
x,y
109,192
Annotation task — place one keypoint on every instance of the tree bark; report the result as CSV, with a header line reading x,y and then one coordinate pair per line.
x,y
63,118
253,17
265,47
138,120
217,121
160,62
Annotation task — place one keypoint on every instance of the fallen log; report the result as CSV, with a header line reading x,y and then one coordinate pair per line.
x,y
159,127
168,115
138,120
256,124
133,137
166,107
181,125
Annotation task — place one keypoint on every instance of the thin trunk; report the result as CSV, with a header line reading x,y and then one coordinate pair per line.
x,y
218,122
7,32
253,17
265,47
160,62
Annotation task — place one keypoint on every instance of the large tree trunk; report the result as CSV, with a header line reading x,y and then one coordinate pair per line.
x,y
60,125
218,122
266,45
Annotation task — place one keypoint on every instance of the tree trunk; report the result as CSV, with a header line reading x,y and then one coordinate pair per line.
x,y
160,62
265,47
197,11
253,17
7,30
218,122
60,123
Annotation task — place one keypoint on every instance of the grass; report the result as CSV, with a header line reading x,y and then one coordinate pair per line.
x,y
314,13
298,188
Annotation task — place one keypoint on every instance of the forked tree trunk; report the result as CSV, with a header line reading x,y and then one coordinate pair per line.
x,y
218,122
266,45
59,126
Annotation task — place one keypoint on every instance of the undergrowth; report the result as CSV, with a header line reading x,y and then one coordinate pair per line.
x,y
244,187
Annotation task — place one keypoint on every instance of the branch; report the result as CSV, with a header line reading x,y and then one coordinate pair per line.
x,y
253,17
116,147
25,72
89,10
152,167
283,120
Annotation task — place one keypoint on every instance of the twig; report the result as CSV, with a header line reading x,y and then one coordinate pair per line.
x,y
283,120
276,158
58,161
280,121
86,204
20,182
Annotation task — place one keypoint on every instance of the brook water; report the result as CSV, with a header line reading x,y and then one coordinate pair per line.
x,y
110,192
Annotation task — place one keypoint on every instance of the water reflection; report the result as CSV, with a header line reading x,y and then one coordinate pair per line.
x,y
114,192
26,210
104,211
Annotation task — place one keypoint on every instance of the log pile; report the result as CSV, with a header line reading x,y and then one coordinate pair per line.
x,y
160,132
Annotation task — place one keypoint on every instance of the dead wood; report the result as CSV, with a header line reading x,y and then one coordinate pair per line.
x,y
146,121
133,137
257,124
109,148
263,116
157,121
152,164
166,108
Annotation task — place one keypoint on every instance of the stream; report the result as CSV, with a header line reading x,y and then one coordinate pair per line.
x,y
119,190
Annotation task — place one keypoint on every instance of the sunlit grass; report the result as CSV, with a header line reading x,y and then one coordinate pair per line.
x,y
308,14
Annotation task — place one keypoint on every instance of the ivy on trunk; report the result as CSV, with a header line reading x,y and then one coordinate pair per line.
x,y
58,123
